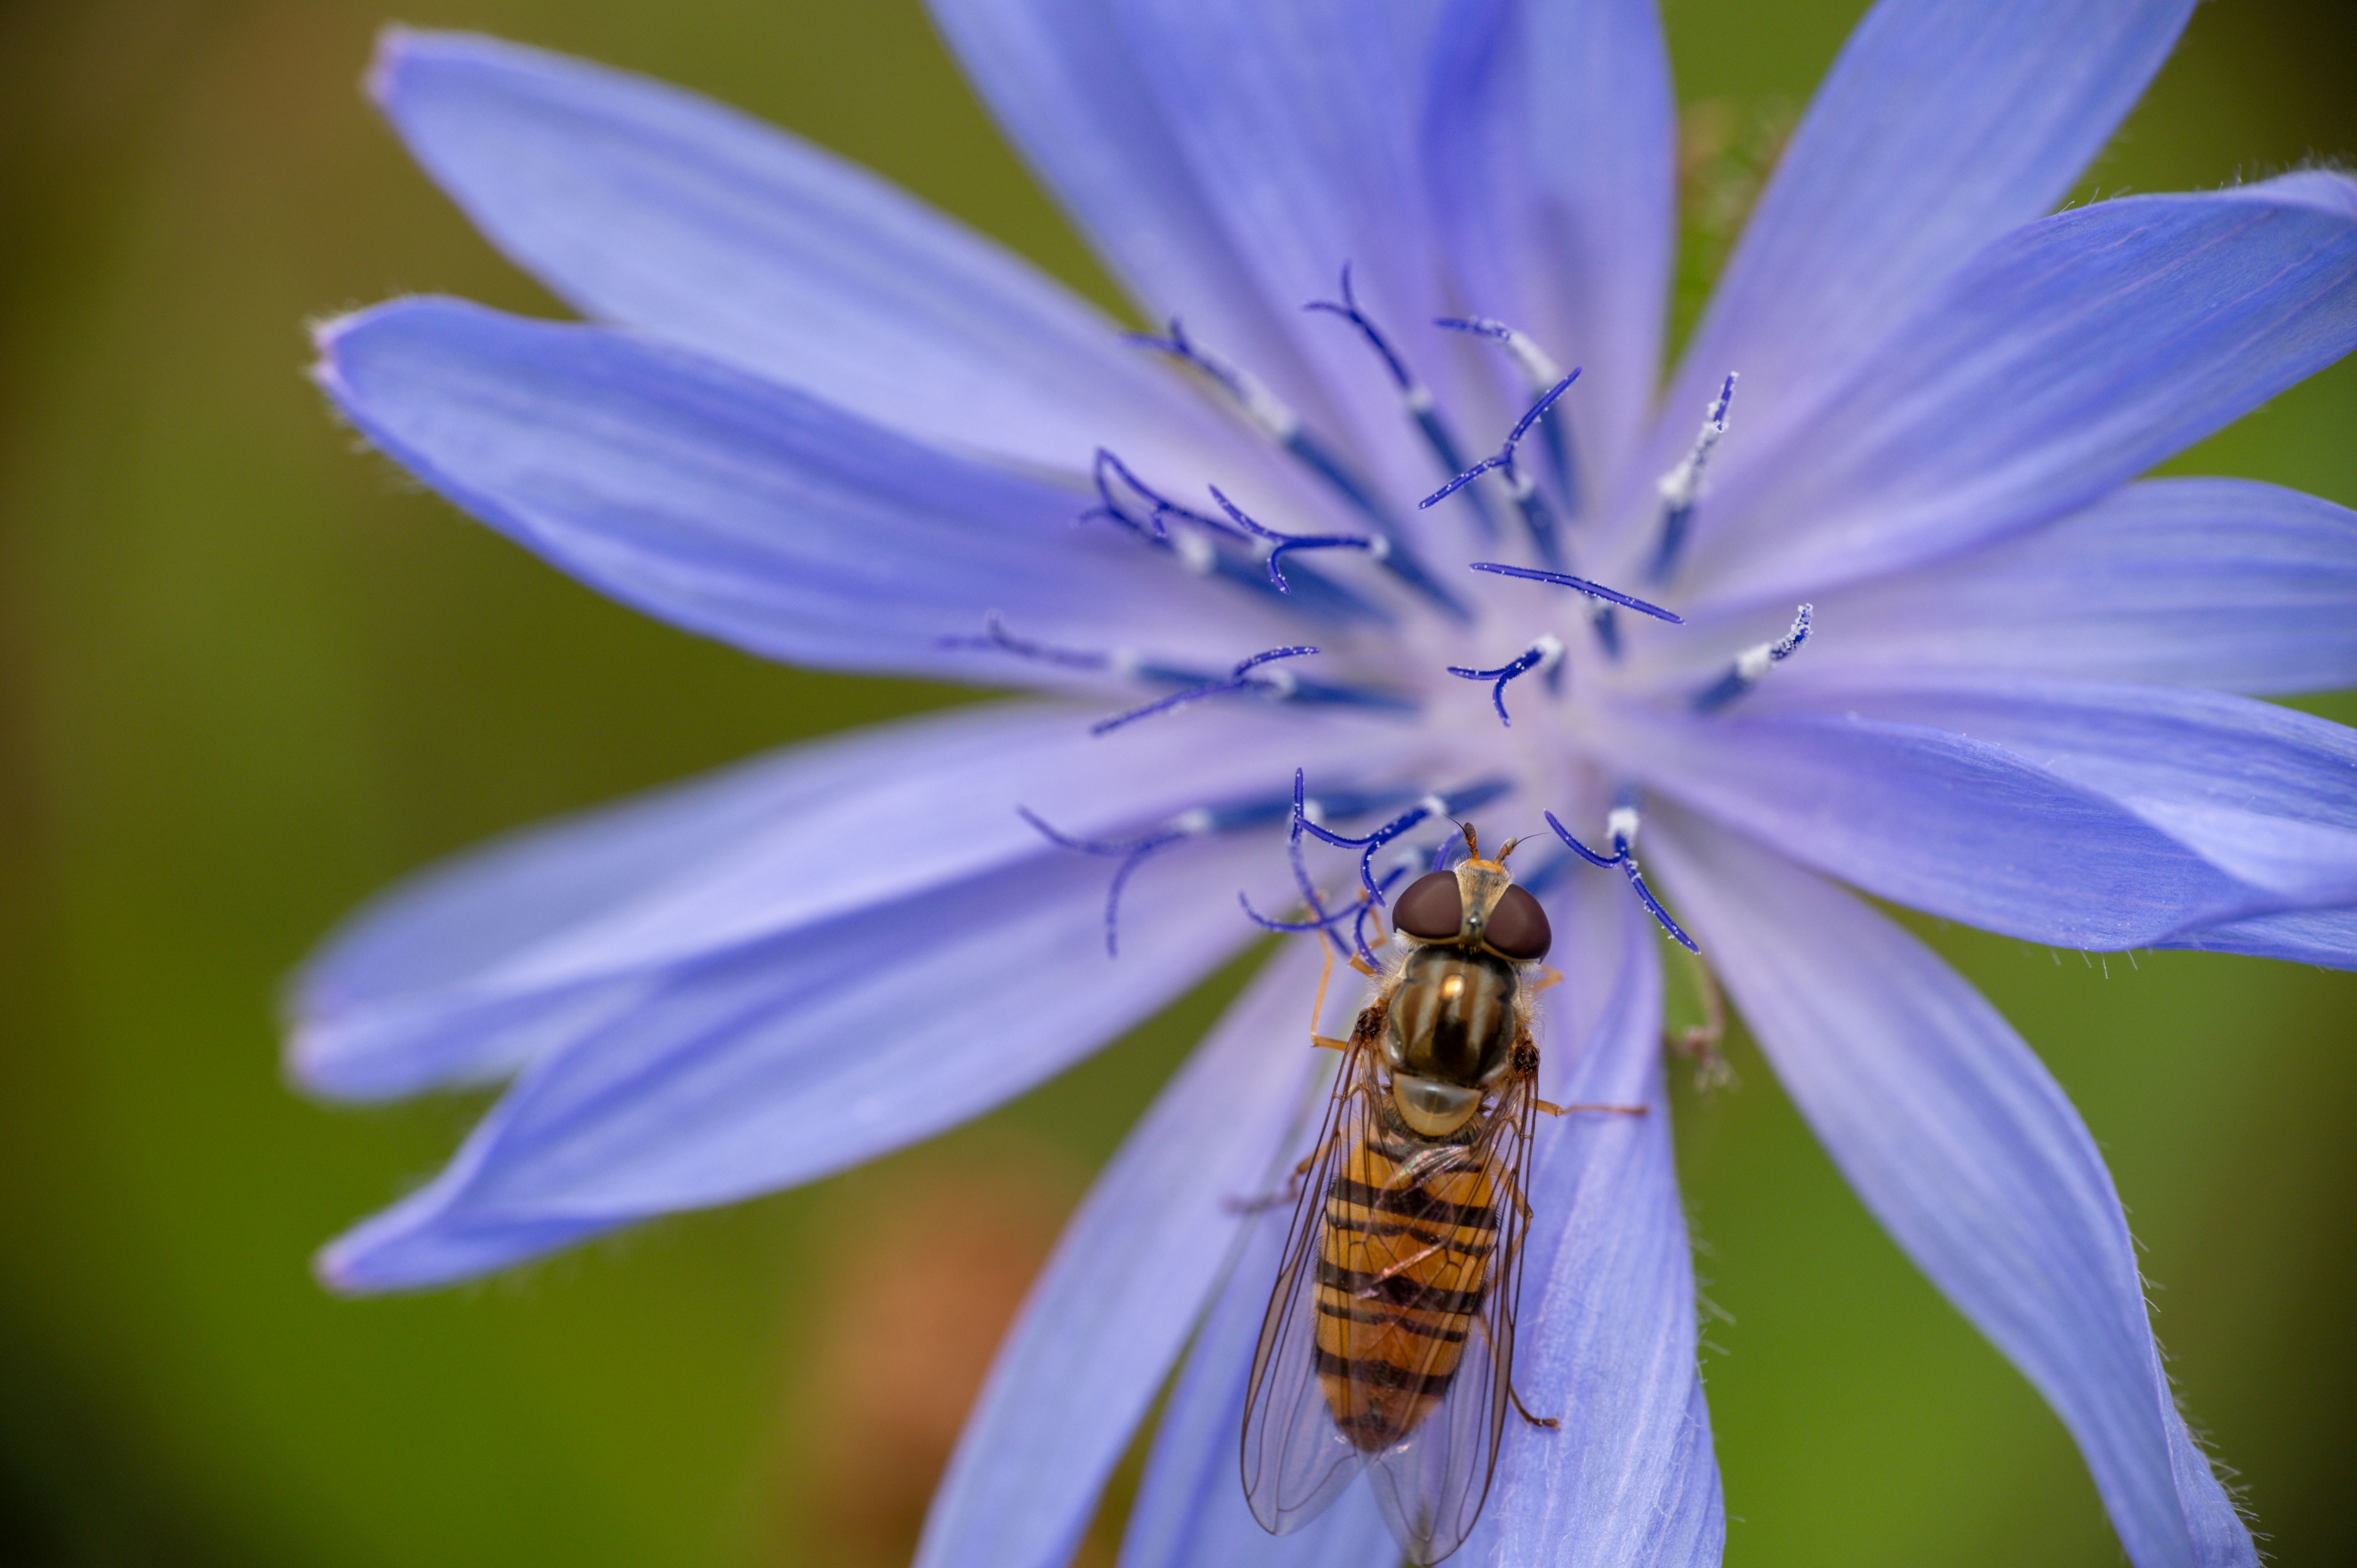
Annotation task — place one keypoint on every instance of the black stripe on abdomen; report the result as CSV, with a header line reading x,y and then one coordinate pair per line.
x,y
1399,1290
1413,1203
1383,1375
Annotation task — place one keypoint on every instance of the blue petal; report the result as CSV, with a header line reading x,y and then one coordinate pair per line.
x,y
1070,89
1967,1151
784,1061
1229,158
1943,822
1304,125
641,204
2066,358
745,512
1552,150
1607,1345
1110,1313
2224,583
502,955
2265,794
1190,1509
2327,937
1940,127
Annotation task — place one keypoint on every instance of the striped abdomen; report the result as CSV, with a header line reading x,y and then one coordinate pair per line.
x,y
1402,1268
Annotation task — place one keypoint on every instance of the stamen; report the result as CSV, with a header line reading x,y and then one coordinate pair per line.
x,y
1453,804
1622,825
1266,411
1124,499
1565,580
1415,396
996,634
1134,853
1282,685
1277,544
1681,486
1540,371
1545,655
1240,679
1305,814
1537,515
1282,426
1752,663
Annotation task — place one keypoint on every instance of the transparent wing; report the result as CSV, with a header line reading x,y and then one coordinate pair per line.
x,y
1432,1483
1296,1459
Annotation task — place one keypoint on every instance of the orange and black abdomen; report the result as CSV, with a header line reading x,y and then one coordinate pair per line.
x,y
1403,1265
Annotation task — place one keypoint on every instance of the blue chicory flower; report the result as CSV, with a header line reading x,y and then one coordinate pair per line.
x,y
811,417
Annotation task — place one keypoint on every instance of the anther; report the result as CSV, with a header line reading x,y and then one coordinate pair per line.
x,y
1280,685
1240,679
1536,516
1578,585
1682,485
1546,655
1195,822
1752,663
1540,371
1455,804
1282,426
1415,396
1262,408
1622,827
1275,544
1125,500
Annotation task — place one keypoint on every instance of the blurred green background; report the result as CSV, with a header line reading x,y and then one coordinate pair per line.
x,y
247,676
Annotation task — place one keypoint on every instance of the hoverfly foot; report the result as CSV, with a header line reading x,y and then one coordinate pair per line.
x,y
1547,1423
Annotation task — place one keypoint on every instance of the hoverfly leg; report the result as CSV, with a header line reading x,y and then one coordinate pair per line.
x,y
1318,1008
1553,1110
1698,1043
1329,1043
1289,1192
1549,978
1545,1422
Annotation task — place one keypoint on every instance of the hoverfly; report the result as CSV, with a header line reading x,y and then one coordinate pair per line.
x,y
1389,1342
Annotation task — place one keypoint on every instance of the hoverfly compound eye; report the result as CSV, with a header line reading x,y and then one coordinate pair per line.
x,y
1518,927
1432,908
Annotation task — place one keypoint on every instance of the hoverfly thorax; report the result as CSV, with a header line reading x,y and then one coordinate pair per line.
x,y
1454,1018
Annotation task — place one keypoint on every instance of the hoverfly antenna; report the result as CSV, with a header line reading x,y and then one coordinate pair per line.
x,y
1506,849
1472,839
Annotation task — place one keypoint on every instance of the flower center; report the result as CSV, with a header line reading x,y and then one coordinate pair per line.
x,y
1378,648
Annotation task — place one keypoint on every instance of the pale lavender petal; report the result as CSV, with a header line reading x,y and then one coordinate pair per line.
x,y
781,1062
491,961
1944,822
642,204
1067,86
1300,121
2326,937
2063,361
1552,140
2266,794
1190,1510
746,511
1940,127
1969,1153
1607,1338
2224,583
1115,1303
